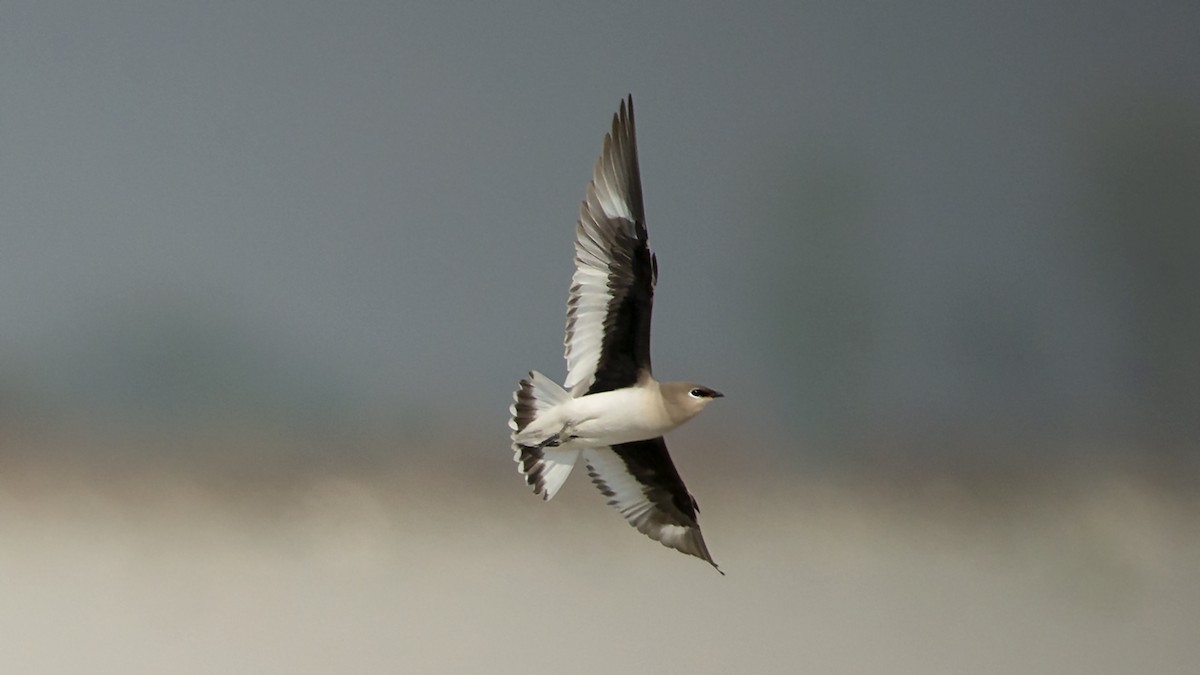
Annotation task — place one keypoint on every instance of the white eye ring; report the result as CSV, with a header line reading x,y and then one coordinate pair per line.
x,y
696,393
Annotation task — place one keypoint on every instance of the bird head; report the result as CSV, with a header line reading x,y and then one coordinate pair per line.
x,y
685,400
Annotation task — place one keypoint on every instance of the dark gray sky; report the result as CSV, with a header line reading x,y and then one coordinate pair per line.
x,y
867,218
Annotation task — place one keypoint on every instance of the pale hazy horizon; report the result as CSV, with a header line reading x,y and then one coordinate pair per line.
x,y
270,271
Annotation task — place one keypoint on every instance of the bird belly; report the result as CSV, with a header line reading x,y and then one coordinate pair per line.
x,y
621,416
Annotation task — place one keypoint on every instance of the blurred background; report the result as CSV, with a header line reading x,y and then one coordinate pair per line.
x,y
269,273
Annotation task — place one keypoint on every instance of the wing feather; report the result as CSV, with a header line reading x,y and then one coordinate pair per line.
x,y
607,344
642,484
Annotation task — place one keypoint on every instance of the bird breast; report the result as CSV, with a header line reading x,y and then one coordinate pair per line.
x,y
619,416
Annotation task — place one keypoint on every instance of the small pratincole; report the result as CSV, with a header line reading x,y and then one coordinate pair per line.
x,y
611,409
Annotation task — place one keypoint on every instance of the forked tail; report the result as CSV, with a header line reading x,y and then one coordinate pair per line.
x,y
545,467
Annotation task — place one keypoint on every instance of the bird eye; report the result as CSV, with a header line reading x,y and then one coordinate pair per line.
x,y
698,393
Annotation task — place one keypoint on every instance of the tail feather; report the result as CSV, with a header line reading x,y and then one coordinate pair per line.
x,y
545,468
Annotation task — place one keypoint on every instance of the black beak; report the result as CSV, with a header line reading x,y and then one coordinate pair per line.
x,y
715,394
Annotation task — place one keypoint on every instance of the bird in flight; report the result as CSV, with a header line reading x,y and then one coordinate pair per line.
x,y
611,410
